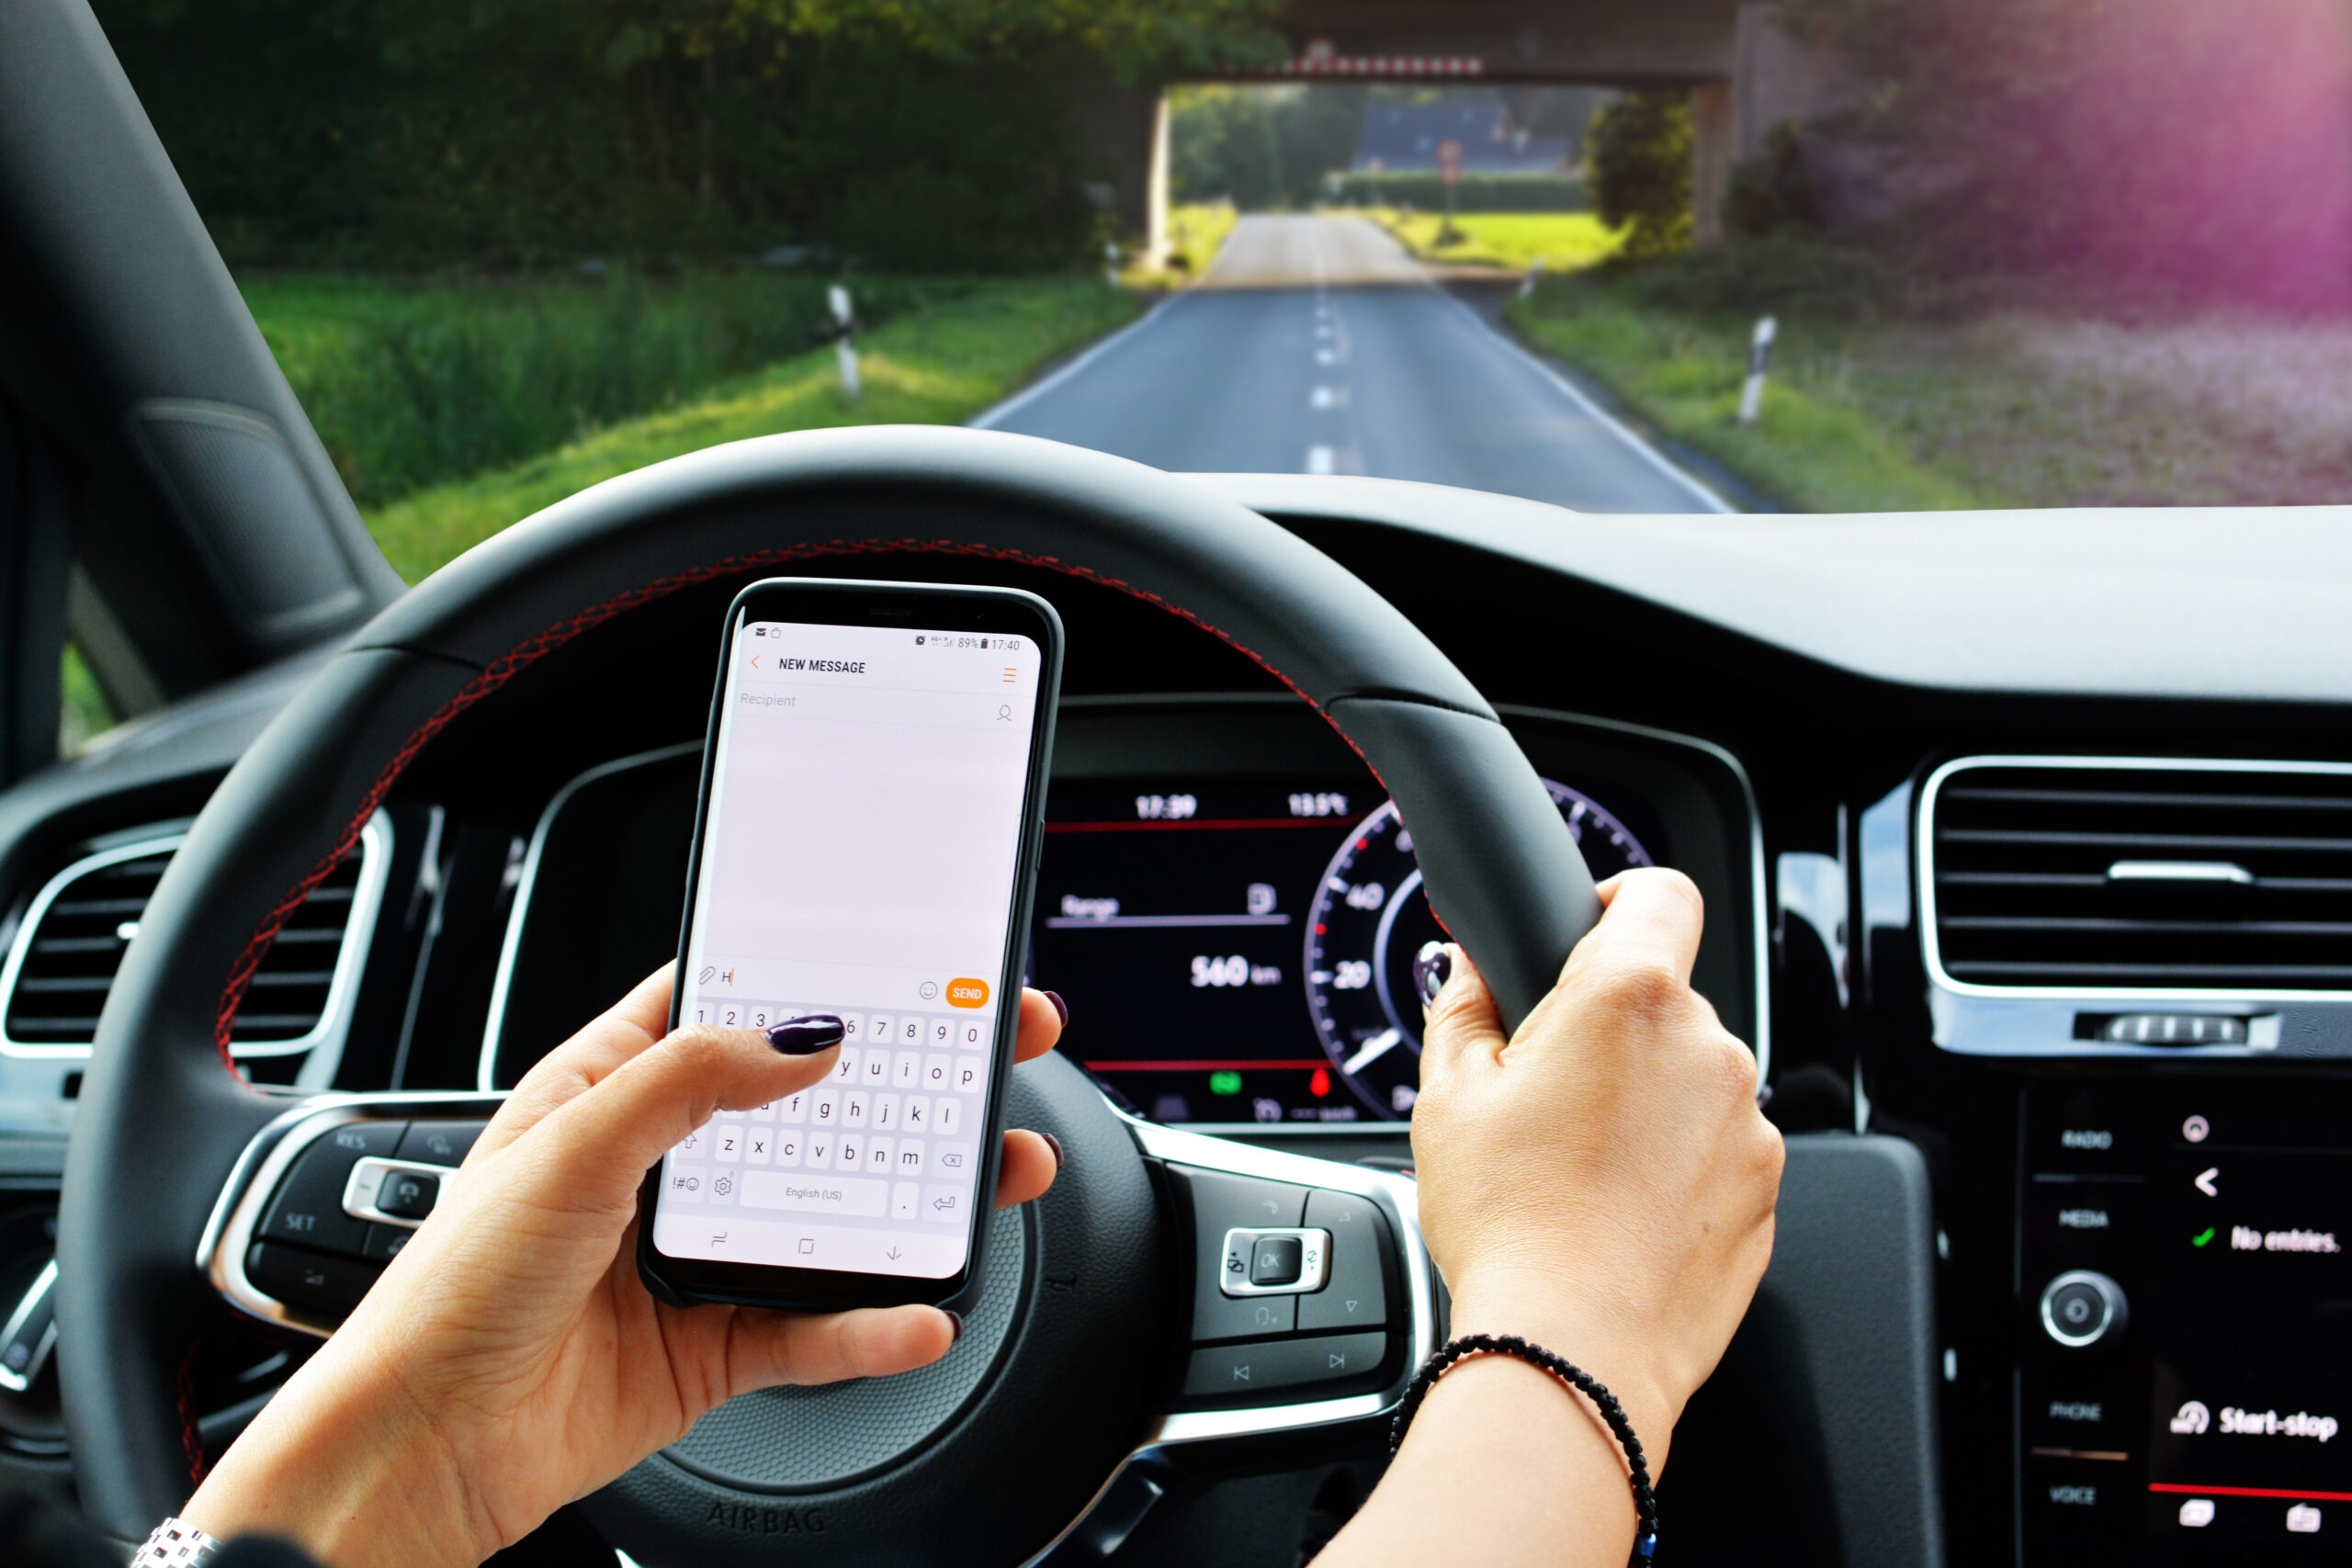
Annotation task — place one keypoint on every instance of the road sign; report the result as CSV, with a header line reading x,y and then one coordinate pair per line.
x,y
1448,163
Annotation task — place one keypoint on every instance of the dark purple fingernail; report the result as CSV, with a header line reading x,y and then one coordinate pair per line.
x,y
1061,1007
1056,1145
806,1036
954,1325
1433,966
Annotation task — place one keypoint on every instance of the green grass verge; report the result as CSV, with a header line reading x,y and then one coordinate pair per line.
x,y
415,382
1198,230
937,365
1879,400
1567,242
1820,443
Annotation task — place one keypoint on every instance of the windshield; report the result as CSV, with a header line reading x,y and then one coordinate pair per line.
x,y
1823,256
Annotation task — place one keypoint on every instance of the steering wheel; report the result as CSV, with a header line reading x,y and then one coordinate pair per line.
x,y
1107,1349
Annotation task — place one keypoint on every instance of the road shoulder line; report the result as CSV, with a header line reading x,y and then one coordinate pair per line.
x,y
1709,501
987,419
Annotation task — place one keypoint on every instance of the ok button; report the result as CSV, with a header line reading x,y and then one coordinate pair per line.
x,y
1276,1260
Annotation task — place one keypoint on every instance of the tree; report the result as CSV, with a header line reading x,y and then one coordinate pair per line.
x,y
1640,151
2145,149
410,132
1260,147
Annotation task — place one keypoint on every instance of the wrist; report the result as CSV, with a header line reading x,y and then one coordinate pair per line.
x,y
345,1469
1592,1334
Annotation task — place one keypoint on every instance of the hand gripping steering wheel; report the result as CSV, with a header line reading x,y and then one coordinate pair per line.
x,y
1086,1352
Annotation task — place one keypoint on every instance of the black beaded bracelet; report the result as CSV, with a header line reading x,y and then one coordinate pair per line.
x,y
1576,1377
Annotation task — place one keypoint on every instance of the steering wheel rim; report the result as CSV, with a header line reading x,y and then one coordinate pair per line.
x,y
160,1124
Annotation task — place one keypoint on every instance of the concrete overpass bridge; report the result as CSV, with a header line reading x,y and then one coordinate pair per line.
x,y
1744,72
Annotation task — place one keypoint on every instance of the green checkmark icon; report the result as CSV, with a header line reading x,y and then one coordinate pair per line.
x,y
2201,1240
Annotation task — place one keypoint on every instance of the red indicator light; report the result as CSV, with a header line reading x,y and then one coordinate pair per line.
x,y
1320,1084
1318,930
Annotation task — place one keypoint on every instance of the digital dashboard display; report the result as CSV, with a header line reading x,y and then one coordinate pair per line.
x,y
1256,941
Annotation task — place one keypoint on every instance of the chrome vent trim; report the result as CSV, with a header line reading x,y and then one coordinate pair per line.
x,y
286,968
65,1033
2213,874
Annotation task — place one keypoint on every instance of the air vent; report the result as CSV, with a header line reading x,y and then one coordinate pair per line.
x,y
2097,876
70,943
76,928
295,981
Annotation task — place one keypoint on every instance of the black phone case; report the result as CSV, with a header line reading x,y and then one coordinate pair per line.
x,y
828,1289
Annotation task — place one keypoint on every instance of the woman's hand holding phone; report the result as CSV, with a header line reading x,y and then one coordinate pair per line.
x,y
511,1360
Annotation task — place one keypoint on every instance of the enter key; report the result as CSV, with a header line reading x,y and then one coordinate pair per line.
x,y
1355,1295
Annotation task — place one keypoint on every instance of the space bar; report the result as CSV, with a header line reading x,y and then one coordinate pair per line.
x,y
814,1194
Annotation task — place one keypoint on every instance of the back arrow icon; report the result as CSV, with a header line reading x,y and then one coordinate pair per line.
x,y
2205,1183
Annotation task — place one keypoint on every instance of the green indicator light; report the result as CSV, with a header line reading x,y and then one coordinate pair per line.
x,y
2201,1240
1225,1083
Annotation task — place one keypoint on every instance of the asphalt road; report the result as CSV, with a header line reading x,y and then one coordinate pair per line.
x,y
1318,345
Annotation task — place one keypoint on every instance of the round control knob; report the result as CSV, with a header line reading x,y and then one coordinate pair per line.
x,y
2081,1308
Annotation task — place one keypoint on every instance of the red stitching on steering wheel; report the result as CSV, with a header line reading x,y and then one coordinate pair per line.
x,y
524,654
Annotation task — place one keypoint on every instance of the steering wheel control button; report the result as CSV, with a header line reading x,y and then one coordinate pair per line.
x,y
2080,1308
1276,1260
440,1143
408,1194
311,1279
1222,1204
384,1242
1248,1373
1354,1293
309,1208
1258,1262
392,1192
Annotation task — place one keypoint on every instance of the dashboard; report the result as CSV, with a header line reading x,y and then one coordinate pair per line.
x,y
1246,918
2084,945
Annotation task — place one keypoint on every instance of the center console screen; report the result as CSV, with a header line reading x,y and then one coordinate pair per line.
x,y
2185,1374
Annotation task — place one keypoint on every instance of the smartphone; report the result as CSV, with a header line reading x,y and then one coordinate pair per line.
x,y
872,806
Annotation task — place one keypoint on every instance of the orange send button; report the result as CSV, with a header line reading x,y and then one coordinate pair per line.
x,y
967,993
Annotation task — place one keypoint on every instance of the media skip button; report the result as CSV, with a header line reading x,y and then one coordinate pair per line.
x,y
1230,1371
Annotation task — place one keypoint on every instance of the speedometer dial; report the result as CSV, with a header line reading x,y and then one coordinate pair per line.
x,y
1370,918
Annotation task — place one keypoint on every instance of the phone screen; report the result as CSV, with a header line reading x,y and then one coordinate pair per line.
x,y
861,847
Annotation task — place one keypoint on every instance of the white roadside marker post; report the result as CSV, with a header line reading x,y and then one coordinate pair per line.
x,y
1534,275
1759,354
845,339
1111,263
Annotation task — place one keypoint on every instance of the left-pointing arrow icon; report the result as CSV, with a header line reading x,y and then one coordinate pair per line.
x,y
2205,1183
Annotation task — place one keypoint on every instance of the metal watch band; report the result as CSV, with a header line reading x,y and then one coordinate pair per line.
x,y
174,1545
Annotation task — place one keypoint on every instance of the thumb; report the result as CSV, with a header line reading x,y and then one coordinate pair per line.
x,y
765,1348
1463,1030
593,1151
